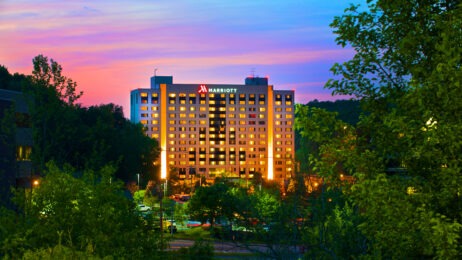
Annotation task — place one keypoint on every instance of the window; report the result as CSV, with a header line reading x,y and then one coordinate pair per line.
x,y
192,99
143,108
144,97
154,98
23,153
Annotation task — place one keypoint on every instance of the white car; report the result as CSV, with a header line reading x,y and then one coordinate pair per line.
x,y
143,208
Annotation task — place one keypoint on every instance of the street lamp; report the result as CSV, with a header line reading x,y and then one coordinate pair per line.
x,y
138,175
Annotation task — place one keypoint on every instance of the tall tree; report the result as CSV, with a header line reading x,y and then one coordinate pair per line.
x,y
49,74
86,138
52,97
407,74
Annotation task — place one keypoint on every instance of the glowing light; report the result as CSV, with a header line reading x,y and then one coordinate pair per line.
x,y
270,134
163,131
202,89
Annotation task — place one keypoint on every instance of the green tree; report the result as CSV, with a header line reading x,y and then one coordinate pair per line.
x,y
407,73
48,74
89,215
333,223
210,202
86,138
52,109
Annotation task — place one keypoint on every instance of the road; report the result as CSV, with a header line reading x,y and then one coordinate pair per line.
x,y
222,247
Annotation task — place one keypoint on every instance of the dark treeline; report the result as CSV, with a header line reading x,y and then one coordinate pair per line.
x,y
74,203
347,110
83,137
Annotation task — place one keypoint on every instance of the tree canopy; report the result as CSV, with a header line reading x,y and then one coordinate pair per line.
x,y
84,137
407,74
88,215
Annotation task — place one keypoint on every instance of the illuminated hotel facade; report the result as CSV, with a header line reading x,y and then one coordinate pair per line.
x,y
216,129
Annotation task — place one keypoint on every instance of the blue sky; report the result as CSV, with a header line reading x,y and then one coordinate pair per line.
x,y
111,47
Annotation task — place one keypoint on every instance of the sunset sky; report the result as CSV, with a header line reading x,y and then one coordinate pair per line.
x,y
112,47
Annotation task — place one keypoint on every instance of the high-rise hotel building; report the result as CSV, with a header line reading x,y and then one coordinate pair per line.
x,y
216,129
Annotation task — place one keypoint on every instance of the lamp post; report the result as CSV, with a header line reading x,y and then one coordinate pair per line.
x,y
161,193
138,176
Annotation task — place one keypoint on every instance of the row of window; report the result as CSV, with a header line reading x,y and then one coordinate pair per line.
x,y
222,163
233,156
242,136
212,122
213,129
213,142
210,109
191,98
193,115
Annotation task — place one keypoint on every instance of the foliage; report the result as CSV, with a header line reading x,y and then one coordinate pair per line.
x,y
99,134
90,215
7,151
332,229
348,110
14,82
48,74
210,203
407,74
199,250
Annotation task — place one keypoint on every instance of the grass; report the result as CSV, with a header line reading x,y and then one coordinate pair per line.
x,y
193,234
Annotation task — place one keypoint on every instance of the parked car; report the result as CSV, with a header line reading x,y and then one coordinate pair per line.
x,y
143,208
193,223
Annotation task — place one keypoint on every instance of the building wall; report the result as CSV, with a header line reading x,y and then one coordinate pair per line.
x,y
15,143
213,129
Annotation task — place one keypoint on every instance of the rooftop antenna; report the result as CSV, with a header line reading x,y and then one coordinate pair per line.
x,y
252,72
155,71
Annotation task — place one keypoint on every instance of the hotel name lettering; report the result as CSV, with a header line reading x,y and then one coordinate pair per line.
x,y
222,90
204,89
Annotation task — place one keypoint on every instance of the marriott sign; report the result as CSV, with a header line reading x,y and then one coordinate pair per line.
x,y
204,89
